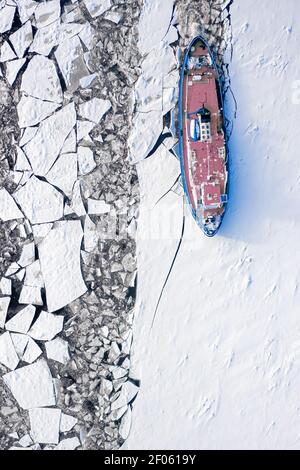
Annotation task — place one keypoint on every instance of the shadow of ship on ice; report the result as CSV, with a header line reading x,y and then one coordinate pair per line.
x,y
258,196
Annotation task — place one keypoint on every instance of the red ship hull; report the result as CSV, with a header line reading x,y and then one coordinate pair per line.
x,y
203,152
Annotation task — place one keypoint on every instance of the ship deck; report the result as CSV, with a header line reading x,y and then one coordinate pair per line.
x,y
204,162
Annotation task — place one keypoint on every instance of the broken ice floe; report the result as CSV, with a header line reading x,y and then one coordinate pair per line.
x,y
21,39
77,205
114,16
128,392
97,207
5,286
148,89
86,162
8,355
67,422
85,82
91,236
26,9
27,255
32,385
22,164
40,201
63,174
94,109
8,208
69,56
32,111
125,424
40,231
34,276
45,146
32,352
12,69
6,53
70,143
167,170
154,94
28,134
83,129
68,444
4,303
40,80
6,18
20,342
31,295
44,423
58,350
21,322
59,254
46,13
97,7
47,326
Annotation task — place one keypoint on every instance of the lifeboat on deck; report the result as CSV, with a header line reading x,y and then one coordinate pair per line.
x,y
203,152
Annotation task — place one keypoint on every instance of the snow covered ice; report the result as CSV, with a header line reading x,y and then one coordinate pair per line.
x,y
225,341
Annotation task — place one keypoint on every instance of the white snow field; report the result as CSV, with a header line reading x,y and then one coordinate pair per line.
x,y
220,369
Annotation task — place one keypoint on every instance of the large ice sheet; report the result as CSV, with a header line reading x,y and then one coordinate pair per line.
x,y
225,342
154,23
59,254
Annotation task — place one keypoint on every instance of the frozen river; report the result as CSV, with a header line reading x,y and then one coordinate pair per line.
x,y
220,368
